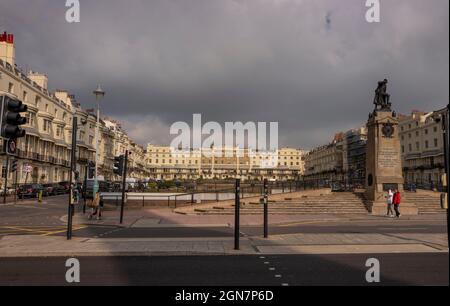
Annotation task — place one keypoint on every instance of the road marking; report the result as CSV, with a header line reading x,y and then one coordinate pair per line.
x,y
35,230
304,222
75,228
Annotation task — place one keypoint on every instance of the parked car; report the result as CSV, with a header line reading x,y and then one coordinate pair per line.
x,y
9,191
30,191
337,187
66,186
54,189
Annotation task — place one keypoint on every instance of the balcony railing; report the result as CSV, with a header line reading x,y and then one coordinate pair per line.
x,y
42,158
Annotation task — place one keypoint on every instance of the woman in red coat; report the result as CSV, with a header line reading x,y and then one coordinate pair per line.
x,y
396,201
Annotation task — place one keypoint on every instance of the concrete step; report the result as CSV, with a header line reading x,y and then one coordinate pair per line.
x,y
291,211
297,213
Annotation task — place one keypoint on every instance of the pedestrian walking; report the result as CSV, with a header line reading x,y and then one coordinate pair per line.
x,y
100,207
397,199
390,200
94,204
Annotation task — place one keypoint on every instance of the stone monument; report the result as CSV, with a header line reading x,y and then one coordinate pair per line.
x,y
383,158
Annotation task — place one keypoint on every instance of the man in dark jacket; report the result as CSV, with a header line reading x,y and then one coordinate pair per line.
x,y
396,201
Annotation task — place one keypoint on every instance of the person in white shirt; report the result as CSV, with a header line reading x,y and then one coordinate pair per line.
x,y
389,200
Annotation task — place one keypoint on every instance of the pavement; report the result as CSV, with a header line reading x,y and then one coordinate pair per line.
x,y
36,246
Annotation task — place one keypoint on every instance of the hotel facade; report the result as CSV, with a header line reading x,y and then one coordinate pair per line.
x,y
165,163
422,148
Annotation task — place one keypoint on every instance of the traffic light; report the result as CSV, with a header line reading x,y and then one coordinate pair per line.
x,y
76,175
91,170
11,120
119,165
14,166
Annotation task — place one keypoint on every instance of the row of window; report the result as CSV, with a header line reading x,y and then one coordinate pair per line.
x,y
426,132
37,101
426,145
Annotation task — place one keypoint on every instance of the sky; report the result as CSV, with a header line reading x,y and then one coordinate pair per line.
x,y
311,65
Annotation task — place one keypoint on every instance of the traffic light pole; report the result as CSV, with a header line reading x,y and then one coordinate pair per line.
x,y
266,209
5,189
15,185
237,210
72,169
85,188
446,130
124,181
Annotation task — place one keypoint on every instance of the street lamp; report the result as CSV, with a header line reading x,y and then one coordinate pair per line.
x,y
99,94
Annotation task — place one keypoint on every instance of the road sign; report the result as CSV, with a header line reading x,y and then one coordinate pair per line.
x,y
28,169
10,146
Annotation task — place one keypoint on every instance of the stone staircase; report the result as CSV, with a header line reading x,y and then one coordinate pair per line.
x,y
426,202
335,203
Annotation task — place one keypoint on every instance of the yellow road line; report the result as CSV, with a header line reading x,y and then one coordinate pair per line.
x,y
37,230
76,228
10,232
20,228
301,223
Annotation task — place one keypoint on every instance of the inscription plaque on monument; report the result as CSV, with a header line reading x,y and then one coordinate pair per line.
x,y
388,158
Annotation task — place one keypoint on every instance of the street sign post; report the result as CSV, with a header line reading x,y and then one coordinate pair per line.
x,y
124,182
266,209
5,189
237,209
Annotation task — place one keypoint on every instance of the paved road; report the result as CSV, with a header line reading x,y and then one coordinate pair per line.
x,y
29,213
292,270
30,218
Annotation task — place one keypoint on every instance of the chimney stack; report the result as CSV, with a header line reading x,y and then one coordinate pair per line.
x,y
7,48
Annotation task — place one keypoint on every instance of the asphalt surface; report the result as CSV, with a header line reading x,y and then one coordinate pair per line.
x,y
29,212
284,270
30,218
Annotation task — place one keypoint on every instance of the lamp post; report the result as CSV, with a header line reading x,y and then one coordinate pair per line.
x,y
99,94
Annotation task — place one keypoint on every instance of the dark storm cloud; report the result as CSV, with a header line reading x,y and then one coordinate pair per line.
x,y
311,65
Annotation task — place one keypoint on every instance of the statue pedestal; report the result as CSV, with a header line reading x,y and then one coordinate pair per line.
x,y
383,163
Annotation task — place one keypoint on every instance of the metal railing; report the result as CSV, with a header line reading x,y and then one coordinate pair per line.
x,y
196,197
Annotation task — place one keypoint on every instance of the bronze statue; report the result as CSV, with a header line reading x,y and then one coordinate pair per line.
x,y
382,98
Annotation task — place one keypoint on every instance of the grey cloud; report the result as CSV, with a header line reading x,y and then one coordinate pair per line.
x,y
269,60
